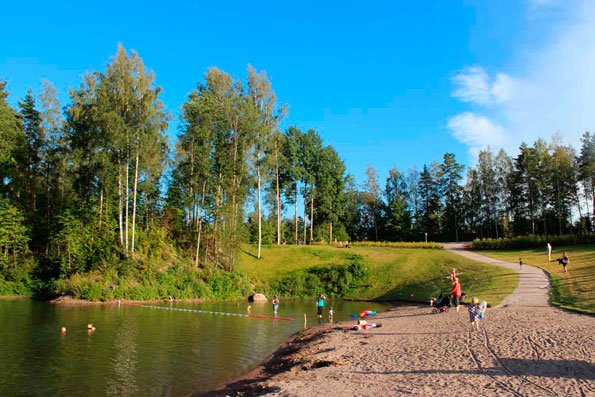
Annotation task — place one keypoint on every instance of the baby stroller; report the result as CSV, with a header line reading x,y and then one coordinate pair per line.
x,y
441,304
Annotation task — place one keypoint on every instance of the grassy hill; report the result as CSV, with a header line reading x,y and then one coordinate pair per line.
x,y
395,273
573,290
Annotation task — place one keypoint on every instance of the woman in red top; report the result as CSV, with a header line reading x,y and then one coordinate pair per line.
x,y
456,292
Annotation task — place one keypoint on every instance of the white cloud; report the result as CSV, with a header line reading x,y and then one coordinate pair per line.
x,y
475,86
472,86
553,91
476,131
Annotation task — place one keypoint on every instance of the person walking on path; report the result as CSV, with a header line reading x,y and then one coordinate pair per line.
x,y
549,252
457,291
520,263
320,304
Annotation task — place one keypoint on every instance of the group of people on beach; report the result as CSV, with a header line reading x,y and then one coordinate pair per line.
x,y
320,303
476,309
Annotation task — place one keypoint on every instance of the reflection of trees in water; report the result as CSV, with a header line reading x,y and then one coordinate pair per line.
x,y
123,381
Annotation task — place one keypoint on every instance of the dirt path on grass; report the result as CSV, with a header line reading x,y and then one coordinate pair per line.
x,y
523,348
533,287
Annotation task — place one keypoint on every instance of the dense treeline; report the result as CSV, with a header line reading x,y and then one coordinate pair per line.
x,y
94,187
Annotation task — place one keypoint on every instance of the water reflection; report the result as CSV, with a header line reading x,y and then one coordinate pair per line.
x,y
138,351
123,380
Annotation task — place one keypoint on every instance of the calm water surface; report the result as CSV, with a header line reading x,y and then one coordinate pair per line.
x,y
138,351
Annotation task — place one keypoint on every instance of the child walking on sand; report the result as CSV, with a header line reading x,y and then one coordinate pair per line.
x,y
474,313
520,263
456,293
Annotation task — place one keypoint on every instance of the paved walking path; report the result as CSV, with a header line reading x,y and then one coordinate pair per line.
x,y
533,283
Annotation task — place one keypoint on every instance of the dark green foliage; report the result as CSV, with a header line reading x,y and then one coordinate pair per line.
x,y
20,287
533,241
178,281
389,244
14,250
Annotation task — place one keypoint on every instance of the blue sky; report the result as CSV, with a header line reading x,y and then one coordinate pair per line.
x,y
386,83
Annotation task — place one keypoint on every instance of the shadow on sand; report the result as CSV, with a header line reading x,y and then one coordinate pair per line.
x,y
581,370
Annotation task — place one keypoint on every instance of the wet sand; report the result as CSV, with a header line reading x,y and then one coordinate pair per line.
x,y
524,348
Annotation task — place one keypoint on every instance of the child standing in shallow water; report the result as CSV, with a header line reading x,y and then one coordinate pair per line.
x,y
275,304
474,313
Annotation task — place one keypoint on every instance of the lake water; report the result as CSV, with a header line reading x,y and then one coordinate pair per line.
x,y
141,351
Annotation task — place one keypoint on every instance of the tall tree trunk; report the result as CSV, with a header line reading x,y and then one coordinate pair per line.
x,y
134,199
305,218
531,208
202,203
127,198
312,218
278,198
593,203
259,215
587,199
375,229
580,212
100,204
295,216
120,209
456,230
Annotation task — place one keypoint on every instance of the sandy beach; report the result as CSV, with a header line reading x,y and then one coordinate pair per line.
x,y
523,348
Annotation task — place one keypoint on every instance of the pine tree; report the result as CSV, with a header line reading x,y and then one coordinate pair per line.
x,y
451,190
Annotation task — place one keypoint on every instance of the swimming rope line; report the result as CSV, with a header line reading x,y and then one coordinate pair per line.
x,y
222,313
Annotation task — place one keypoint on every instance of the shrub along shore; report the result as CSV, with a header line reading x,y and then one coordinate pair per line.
x,y
359,272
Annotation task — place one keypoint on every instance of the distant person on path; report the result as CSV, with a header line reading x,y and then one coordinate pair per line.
x,y
549,252
275,304
457,291
520,263
474,313
320,304
564,260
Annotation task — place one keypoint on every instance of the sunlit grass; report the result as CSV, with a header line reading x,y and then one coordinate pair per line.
x,y
574,289
396,273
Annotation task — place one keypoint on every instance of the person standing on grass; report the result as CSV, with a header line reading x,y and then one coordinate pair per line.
x,y
457,291
320,304
549,252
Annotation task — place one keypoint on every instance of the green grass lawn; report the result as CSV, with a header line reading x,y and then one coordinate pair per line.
x,y
574,289
396,273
